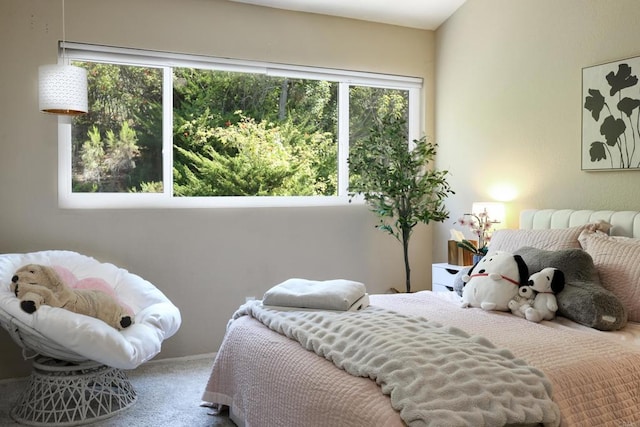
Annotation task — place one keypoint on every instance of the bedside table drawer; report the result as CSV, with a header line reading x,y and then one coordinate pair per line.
x,y
444,276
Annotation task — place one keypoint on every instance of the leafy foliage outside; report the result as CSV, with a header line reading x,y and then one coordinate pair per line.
x,y
252,158
117,146
252,135
398,184
111,159
234,133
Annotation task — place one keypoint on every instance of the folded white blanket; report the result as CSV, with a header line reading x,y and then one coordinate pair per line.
x,y
338,294
360,304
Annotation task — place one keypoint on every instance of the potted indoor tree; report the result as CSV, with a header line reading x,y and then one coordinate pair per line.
x,y
398,182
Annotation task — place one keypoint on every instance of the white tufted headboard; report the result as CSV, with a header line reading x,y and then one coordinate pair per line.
x,y
624,223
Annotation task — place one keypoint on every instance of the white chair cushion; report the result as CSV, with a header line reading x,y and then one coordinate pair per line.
x,y
156,318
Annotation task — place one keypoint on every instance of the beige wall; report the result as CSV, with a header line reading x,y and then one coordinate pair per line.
x,y
508,102
206,260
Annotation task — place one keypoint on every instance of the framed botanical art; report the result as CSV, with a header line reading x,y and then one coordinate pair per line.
x,y
611,116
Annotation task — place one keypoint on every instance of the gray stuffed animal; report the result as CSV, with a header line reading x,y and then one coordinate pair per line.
x,y
583,299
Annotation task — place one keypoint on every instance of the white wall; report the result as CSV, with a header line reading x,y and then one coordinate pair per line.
x,y
208,260
508,103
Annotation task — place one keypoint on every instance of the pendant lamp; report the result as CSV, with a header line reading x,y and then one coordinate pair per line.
x,y
62,88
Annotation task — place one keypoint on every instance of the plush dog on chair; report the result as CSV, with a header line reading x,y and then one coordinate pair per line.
x,y
36,285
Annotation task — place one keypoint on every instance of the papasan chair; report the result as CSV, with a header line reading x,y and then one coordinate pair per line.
x,y
78,361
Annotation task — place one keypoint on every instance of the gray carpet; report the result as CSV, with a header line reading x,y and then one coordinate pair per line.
x,y
169,394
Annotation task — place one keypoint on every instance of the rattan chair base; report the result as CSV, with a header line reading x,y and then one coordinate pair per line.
x,y
61,393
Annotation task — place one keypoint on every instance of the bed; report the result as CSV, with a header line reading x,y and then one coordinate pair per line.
x,y
590,372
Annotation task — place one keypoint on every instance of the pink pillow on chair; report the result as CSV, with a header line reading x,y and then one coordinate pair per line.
x,y
92,283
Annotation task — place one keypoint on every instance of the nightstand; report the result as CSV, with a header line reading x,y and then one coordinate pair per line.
x,y
442,276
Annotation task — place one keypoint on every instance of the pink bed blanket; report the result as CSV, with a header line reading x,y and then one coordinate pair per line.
x,y
270,380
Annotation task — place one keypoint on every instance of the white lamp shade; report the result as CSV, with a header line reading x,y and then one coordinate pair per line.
x,y
62,89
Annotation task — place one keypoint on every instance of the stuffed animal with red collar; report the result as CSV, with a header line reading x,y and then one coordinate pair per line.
x,y
547,283
494,281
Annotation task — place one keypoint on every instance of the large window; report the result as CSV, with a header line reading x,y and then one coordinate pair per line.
x,y
170,130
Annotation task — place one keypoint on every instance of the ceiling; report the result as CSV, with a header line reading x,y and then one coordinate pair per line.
x,y
424,14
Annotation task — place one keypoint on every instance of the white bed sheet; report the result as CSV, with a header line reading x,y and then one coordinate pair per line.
x,y
629,335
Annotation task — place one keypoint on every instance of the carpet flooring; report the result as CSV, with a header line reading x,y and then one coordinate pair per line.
x,y
169,393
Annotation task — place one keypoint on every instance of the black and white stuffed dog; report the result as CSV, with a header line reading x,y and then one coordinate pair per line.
x,y
494,281
547,283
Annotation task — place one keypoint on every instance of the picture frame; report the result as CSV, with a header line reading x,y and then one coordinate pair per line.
x,y
611,116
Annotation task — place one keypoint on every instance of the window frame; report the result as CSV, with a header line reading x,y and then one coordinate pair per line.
x,y
166,61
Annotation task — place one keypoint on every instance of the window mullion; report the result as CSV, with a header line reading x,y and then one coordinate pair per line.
x,y
343,139
65,160
415,123
167,131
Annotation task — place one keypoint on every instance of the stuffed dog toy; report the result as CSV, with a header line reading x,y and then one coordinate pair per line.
x,y
36,285
523,301
494,281
547,283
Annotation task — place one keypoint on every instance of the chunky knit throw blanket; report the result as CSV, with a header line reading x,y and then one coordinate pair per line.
x,y
434,375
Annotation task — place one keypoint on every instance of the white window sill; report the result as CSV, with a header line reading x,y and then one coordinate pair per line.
x,y
162,201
